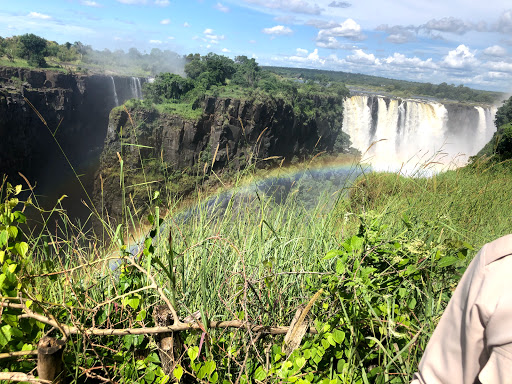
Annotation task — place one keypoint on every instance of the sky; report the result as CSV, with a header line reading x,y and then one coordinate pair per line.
x,y
455,41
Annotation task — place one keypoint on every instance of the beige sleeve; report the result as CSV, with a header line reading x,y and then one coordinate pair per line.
x,y
498,368
474,336
446,355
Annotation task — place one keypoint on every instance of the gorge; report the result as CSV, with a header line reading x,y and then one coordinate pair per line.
x,y
229,134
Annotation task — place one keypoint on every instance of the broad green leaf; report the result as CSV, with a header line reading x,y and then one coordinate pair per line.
x,y
412,303
178,372
193,352
4,237
17,190
13,232
300,362
356,242
28,303
141,315
2,257
338,336
210,367
260,374
12,268
21,248
5,335
132,301
340,267
447,261
332,254
20,217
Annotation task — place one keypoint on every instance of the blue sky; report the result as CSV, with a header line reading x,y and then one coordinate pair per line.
x,y
457,41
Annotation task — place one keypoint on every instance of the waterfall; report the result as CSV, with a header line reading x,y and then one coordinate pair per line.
x,y
116,100
136,88
395,133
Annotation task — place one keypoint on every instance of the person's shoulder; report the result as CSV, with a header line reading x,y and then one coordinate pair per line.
x,y
498,249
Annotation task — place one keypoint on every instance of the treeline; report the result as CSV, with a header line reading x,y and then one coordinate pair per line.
x,y
35,50
396,87
218,73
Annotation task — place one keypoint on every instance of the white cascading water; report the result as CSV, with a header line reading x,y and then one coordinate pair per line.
x,y
136,88
116,100
410,133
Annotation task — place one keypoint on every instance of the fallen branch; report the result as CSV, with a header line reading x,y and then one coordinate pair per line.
x,y
18,376
7,355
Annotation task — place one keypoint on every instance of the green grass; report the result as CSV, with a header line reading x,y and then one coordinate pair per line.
x,y
387,256
473,201
182,109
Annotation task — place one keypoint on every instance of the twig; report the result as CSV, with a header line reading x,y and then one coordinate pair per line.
x,y
7,355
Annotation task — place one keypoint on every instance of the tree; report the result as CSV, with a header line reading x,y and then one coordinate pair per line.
x,y
504,113
167,86
247,71
33,48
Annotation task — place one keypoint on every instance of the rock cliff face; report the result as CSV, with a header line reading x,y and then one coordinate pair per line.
x,y
176,151
75,109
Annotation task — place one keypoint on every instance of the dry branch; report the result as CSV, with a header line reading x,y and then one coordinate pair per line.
x,y
18,376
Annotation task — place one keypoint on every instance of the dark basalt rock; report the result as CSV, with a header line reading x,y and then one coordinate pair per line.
x,y
237,132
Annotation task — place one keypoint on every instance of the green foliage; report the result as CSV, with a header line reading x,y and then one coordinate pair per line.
x,y
400,88
167,86
499,148
33,48
504,113
503,149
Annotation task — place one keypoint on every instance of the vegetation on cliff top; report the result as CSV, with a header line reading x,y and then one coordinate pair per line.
x,y
500,147
399,88
79,57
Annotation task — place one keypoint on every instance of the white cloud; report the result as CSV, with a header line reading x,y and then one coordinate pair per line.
x,y
155,42
459,58
401,60
332,43
449,24
504,24
307,59
171,37
90,3
348,29
221,7
398,34
212,38
362,57
225,50
165,21
162,3
252,41
301,52
36,15
277,30
186,25
500,66
496,50
297,6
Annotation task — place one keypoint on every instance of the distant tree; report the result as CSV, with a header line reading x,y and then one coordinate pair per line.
x,y
504,142
247,71
504,113
167,86
194,66
68,45
33,48
220,67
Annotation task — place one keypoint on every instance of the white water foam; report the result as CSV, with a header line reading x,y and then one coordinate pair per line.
x,y
412,133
